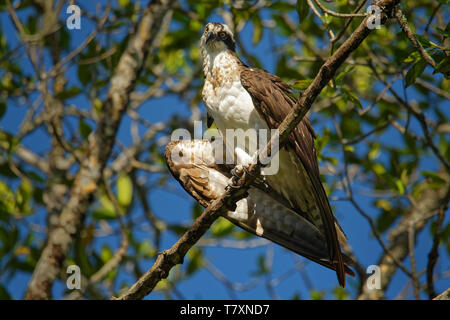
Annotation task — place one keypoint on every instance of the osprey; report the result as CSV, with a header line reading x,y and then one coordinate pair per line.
x,y
291,207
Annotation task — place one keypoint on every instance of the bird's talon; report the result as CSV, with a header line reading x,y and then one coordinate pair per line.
x,y
247,172
235,174
231,186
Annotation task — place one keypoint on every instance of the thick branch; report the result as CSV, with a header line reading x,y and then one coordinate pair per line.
x,y
169,258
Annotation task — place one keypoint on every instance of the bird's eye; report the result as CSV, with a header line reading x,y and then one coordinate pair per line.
x,y
222,34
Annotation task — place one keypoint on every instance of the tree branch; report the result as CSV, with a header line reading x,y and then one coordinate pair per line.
x,y
337,14
444,295
405,27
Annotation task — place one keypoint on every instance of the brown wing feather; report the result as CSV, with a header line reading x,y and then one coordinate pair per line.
x,y
273,99
191,177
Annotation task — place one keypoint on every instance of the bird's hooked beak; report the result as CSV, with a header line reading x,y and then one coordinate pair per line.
x,y
211,36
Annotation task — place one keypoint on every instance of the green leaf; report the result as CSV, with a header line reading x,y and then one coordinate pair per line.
x,y
258,30
374,152
179,230
302,10
106,203
146,249
386,219
413,57
443,32
317,295
350,96
84,74
106,211
123,3
423,41
434,177
2,108
124,190
378,168
103,214
4,294
195,260
400,187
23,197
415,71
106,254
340,77
262,267
302,84
8,141
98,105
340,293
197,210
242,235
7,199
35,176
349,148
383,204
84,128
68,93
444,65
222,227
282,6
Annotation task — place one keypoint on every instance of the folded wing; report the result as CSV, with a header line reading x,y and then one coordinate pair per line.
x,y
193,164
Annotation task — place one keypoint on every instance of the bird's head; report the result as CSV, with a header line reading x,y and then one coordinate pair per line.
x,y
217,37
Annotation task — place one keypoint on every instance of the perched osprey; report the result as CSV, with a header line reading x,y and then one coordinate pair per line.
x,y
292,208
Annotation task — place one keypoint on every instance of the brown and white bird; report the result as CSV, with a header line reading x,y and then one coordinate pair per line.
x,y
292,208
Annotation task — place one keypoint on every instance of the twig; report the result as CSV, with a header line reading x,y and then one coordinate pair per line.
x,y
317,13
347,23
337,14
416,44
378,98
364,136
430,19
236,286
55,69
432,88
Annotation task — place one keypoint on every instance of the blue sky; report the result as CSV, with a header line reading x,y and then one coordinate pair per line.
x,y
236,264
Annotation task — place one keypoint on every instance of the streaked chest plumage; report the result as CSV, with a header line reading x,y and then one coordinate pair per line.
x,y
226,99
